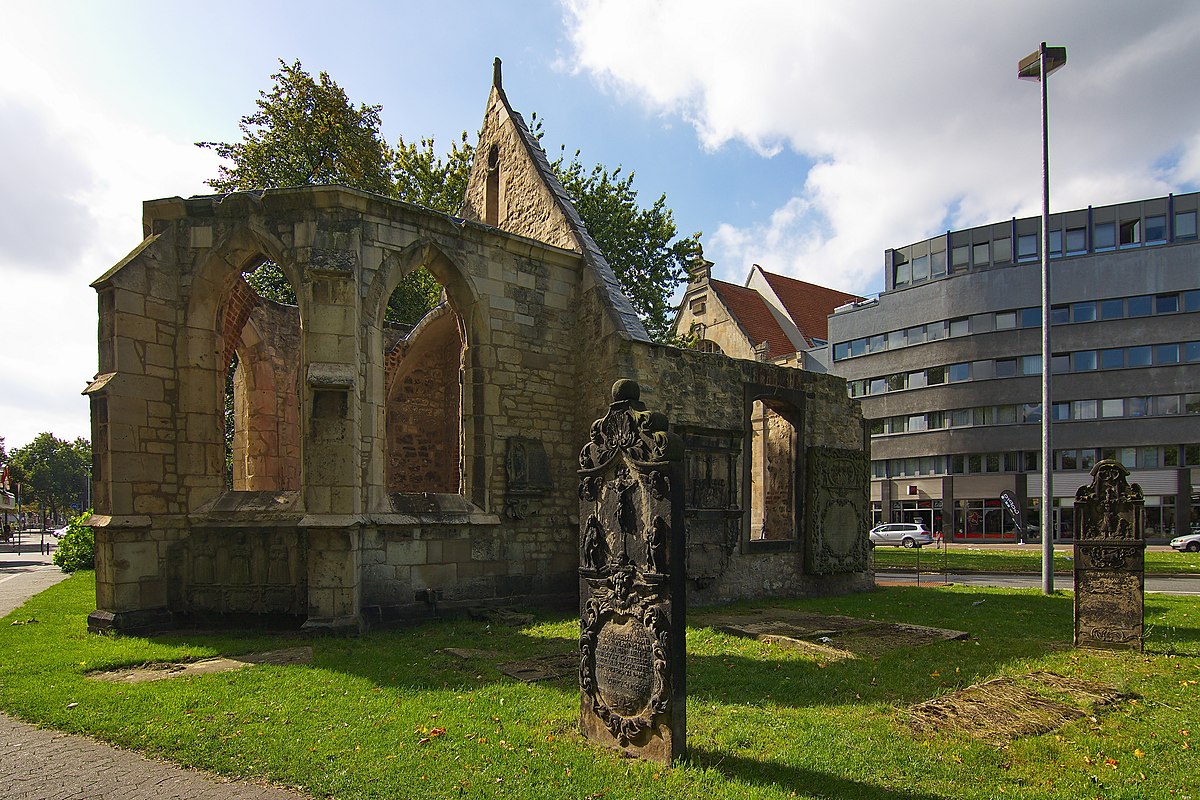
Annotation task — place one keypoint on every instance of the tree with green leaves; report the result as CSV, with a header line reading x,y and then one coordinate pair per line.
x,y
305,131
308,131
429,180
52,472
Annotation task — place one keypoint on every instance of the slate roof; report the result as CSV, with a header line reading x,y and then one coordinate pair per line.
x,y
807,304
753,315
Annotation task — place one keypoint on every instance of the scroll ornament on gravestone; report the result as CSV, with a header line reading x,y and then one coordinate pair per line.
x,y
1109,560
632,593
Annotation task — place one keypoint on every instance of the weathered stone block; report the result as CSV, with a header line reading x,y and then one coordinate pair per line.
x,y
434,576
407,552
456,551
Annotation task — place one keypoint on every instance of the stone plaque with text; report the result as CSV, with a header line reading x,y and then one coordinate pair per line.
x,y
632,596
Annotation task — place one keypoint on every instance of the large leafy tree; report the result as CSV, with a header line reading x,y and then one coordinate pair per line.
x,y
307,131
52,471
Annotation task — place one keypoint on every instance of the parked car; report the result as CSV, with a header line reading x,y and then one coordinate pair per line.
x,y
1189,542
58,533
901,534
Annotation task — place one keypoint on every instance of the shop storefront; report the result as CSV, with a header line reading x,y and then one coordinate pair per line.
x,y
968,509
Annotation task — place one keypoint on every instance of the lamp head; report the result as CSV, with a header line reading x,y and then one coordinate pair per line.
x,y
1029,68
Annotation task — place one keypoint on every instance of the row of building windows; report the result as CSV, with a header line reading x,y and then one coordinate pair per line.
x,y
1031,413
1145,355
1091,311
986,518
1073,241
1152,457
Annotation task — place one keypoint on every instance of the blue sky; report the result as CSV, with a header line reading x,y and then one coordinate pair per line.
x,y
805,136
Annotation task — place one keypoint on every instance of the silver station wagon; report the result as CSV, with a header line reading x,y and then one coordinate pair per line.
x,y
901,534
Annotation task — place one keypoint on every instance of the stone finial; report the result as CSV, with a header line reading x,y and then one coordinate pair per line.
x,y
626,389
700,269
496,78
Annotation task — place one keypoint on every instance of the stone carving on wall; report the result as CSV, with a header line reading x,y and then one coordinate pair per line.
x,y
224,571
712,507
632,596
839,512
1109,560
528,473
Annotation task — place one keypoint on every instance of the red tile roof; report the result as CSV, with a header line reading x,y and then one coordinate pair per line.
x,y
754,316
807,304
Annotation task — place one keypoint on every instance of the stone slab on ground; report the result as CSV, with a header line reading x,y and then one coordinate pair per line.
x,y
467,653
828,636
210,666
41,764
542,668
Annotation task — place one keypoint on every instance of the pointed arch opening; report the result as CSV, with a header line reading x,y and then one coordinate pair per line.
x,y
429,447
423,370
262,407
491,192
255,379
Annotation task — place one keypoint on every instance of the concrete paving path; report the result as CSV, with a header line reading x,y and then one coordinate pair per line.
x,y
40,764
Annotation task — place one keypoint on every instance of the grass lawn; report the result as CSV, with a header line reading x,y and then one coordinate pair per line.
x,y
387,715
983,559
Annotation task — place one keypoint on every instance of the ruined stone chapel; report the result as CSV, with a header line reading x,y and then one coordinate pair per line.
x,y
384,472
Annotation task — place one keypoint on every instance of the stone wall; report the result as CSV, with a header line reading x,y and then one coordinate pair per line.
x,y
711,397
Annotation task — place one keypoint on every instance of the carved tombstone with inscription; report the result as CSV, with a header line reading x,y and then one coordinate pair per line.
x,y
1109,560
632,593
839,513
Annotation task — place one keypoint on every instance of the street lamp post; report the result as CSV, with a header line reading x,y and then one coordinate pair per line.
x,y
1037,66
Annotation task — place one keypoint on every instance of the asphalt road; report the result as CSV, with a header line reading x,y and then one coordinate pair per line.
x,y
1163,584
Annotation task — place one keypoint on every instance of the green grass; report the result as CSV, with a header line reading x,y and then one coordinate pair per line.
x,y
983,559
386,715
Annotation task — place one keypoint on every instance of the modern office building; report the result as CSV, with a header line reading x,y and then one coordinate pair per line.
x,y
947,365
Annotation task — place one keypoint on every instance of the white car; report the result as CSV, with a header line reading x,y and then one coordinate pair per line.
x,y
1189,542
901,534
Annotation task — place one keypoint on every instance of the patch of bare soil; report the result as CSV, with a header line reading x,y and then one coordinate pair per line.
x,y
1003,709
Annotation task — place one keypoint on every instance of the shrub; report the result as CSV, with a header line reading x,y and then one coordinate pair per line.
x,y
77,548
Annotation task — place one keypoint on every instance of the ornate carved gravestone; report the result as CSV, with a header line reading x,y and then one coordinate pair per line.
x,y
632,595
1109,560
839,511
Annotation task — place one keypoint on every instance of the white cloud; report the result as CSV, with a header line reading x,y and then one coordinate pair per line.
x,y
912,113
71,208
